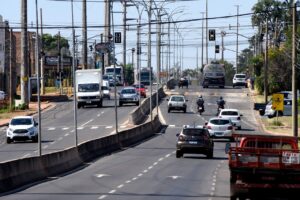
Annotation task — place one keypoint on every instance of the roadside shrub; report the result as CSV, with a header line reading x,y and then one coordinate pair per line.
x,y
22,106
276,122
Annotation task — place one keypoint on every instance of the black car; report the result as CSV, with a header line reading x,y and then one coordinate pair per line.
x,y
183,82
194,140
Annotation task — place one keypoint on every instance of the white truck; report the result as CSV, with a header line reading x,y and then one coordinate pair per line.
x,y
213,75
88,87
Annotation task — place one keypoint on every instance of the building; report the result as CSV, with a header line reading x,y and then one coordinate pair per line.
x,y
4,59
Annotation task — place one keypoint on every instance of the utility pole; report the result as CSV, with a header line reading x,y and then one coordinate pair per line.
x,y
223,33
294,73
158,52
149,55
24,54
169,51
42,55
107,32
206,31
124,32
84,35
266,66
237,39
202,44
58,76
11,60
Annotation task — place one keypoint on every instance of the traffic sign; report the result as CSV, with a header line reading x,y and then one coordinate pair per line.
x,y
277,102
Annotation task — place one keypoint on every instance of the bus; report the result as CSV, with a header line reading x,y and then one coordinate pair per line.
x,y
145,76
109,71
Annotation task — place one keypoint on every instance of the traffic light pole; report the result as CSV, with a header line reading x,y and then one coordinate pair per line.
x,y
294,75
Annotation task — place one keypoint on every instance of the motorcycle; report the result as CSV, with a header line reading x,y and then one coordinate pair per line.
x,y
220,107
200,109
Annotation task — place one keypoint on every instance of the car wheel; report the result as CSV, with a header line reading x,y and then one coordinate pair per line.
x,y
169,110
78,105
232,139
35,139
239,128
8,140
137,103
179,154
210,154
120,104
184,110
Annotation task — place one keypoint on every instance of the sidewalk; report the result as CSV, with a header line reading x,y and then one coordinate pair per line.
x,y
33,109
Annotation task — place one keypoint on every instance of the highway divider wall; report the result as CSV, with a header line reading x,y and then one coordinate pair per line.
x,y
17,173
140,114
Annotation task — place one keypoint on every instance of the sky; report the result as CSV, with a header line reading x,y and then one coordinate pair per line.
x,y
58,13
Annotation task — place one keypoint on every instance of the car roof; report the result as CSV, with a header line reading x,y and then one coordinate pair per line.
x,y
217,118
23,117
126,88
229,109
240,74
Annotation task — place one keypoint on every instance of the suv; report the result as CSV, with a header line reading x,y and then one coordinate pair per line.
x,y
177,102
194,140
22,128
239,80
129,95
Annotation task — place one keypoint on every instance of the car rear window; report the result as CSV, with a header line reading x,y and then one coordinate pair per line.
x,y
177,99
190,132
128,91
240,76
229,113
219,121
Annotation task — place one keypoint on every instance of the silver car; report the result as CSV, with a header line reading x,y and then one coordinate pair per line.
x,y
220,128
129,95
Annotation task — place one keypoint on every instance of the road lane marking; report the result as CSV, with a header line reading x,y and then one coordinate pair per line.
x,y
60,138
120,186
145,171
26,155
107,127
102,197
140,175
112,191
67,134
87,122
134,178
168,155
101,175
94,127
160,159
66,128
129,181
172,125
51,129
150,167
79,128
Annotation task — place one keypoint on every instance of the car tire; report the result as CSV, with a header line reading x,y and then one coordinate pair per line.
x,y
184,110
210,154
239,128
179,154
169,110
78,105
8,140
35,139
137,103
120,104
232,139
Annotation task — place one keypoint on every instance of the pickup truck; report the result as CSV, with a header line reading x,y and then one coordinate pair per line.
x,y
263,165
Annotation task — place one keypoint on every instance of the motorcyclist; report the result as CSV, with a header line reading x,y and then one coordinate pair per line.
x,y
221,103
200,102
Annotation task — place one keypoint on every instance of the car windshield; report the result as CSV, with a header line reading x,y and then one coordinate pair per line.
x,y
230,113
177,99
21,121
240,76
93,87
128,91
104,88
190,132
219,121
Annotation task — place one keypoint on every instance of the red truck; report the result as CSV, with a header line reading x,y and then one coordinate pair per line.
x,y
264,165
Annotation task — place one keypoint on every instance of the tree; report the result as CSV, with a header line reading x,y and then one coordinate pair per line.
x,y
50,43
129,74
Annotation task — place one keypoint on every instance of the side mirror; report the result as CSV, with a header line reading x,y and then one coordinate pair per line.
x,y
177,134
227,147
167,99
206,123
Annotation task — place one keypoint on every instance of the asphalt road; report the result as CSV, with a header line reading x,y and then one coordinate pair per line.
x,y
58,130
150,170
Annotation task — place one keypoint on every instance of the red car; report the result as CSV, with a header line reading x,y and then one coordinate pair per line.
x,y
141,90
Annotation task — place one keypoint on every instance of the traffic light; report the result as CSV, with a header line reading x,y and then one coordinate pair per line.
x,y
212,34
217,49
118,37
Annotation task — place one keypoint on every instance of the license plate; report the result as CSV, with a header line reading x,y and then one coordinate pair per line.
x,y
218,133
89,102
192,142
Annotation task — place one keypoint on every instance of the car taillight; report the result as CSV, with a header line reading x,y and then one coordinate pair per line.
x,y
208,127
229,128
239,118
181,138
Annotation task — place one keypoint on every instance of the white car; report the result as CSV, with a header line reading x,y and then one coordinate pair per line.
x,y
232,114
220,128
22,128
239,80
177,102
2,95
287,109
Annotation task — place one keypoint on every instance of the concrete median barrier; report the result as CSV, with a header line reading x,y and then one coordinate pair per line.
x,y
17,173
